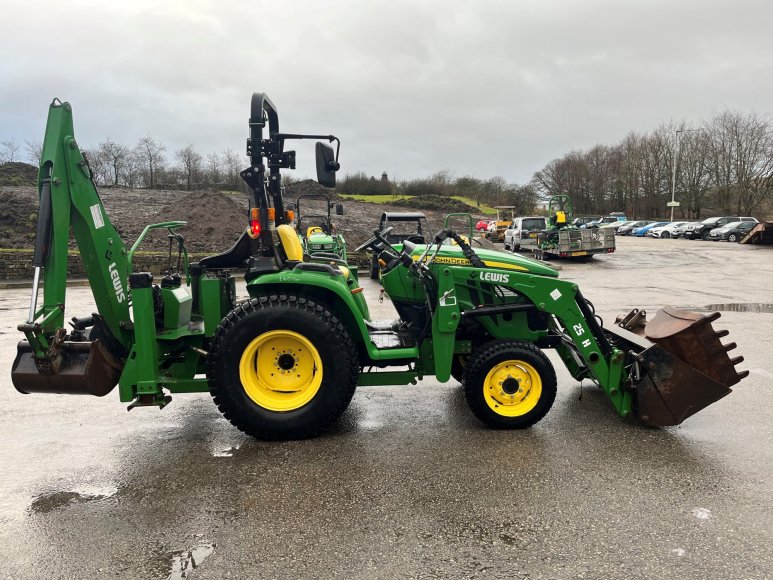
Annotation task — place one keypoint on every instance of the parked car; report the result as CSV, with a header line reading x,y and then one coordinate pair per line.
x,y
732,232
615,225
482,225
702,230
642,231
672,230
581,221
627,229
523,232
613,217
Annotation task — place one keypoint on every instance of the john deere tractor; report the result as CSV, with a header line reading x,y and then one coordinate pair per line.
x,y
315,226
285,362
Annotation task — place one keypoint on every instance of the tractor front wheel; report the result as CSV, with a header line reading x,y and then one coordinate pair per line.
x,y
282,367
457,367
509,384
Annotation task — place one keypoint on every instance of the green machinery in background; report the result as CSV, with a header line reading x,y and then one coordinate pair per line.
x,y
285,362
315,226
563,240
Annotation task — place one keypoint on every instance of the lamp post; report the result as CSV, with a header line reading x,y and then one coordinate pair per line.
x,y
673,203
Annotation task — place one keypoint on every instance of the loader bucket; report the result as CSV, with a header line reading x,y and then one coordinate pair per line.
x,y
85,368
686,369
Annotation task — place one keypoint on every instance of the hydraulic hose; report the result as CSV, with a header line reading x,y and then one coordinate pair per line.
x,y
468,252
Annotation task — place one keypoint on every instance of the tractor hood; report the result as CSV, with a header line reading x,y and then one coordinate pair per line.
x,y
320,238
453,256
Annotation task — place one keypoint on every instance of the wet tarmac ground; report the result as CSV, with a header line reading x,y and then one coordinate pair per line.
x,y
409,484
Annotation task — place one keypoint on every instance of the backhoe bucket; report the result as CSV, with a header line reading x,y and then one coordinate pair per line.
x,y
686,369
83,368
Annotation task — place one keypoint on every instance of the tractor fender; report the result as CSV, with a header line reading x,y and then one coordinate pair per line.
x,y
322,288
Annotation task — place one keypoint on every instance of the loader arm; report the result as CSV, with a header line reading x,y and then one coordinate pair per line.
x,y
65,186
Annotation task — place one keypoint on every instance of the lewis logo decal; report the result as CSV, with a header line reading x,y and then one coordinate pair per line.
x,y
495,277
117,286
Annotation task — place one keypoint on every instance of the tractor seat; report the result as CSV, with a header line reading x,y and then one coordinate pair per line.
x,y
292,249
290,244
314,230
237,256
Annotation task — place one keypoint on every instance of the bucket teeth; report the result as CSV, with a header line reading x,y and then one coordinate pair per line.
x,y
688,367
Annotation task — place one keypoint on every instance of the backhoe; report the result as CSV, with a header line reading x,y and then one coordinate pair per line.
x,y
285,362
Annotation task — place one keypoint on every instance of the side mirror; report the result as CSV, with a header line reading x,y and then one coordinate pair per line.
x,y
339,209
326,165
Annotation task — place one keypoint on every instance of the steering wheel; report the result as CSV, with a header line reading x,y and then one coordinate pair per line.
x,y
377,242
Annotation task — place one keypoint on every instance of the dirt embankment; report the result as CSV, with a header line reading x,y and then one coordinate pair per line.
x,y
215,219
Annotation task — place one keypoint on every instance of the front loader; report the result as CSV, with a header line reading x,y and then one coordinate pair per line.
x,y
285,362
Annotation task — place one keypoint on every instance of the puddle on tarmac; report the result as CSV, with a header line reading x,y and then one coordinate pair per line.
x,y
738,307
188,560
48,502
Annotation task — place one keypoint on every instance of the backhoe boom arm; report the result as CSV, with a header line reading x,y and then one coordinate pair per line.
x,y
69,199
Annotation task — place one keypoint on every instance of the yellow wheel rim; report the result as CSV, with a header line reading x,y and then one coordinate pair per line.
x,y
512,388
280,370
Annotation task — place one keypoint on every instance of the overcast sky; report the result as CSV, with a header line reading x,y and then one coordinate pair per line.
x,y
410,87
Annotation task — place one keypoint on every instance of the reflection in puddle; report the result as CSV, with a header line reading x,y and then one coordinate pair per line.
x,y
738,307
187,560
225,452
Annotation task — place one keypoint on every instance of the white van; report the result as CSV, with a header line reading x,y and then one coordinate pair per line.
x,y
523,232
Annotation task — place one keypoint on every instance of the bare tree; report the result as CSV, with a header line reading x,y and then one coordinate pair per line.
x,y
231,165
190,163
693,176
34,149
132,169
150,157
8,151
116,156
100,170
741,160
214,167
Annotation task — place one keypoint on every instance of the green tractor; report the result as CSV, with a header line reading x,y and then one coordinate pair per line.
x,y
315,228
285,362
561,239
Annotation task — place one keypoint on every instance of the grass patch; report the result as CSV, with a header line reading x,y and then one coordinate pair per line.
x,y
375,198
485,209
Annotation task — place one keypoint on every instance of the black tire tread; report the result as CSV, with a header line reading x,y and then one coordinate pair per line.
x,y
476,370
221,393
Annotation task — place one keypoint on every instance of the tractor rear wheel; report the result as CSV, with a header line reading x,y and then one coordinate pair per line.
x,y
509,384
282,367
